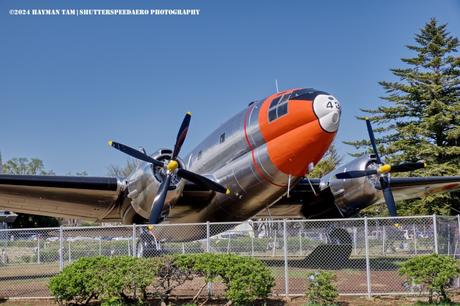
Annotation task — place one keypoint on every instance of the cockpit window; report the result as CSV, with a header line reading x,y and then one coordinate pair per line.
x,y
274,102
278,107
282,110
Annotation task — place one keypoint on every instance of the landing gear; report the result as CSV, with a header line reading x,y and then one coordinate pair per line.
x,y
148,245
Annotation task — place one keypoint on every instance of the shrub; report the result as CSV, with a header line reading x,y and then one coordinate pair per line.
x,y
123,279
321,289
246,278
80,281
433,272
111,280
126,278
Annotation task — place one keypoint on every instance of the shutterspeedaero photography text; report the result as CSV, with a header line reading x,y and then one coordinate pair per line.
x,y
104,12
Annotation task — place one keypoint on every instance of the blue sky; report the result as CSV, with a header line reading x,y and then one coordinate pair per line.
x,y
68,84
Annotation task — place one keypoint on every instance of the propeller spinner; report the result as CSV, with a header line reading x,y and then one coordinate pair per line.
x,y
382,172
172,168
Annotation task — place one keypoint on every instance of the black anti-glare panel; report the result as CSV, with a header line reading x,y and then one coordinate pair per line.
x,y
308,94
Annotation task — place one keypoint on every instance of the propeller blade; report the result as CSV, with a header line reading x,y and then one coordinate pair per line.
x,y
355,174
407,167
159,201
135,153
388,196
181,135
202,181
372,138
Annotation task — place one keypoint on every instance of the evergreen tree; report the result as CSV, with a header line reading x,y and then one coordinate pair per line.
x,y
422,118
328,163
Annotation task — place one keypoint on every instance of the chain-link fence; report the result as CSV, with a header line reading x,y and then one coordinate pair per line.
x,y
364,253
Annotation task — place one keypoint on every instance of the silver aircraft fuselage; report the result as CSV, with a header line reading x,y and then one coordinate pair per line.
x,y
258,154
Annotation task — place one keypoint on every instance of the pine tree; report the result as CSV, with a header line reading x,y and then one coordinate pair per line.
x,y
329,162
421,120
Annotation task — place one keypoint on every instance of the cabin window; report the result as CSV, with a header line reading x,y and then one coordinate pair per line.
x,y
222,138
278,107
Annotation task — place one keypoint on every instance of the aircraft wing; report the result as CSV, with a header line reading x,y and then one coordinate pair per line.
x,y
304,203
405,188
93,198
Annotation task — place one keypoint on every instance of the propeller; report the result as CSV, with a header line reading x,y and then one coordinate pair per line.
x,y
171,168
382,172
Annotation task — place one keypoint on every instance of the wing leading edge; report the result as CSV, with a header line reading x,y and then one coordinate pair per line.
x,y
405,188
304,203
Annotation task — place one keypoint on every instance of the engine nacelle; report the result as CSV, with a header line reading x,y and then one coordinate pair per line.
x,y
144,182
352,195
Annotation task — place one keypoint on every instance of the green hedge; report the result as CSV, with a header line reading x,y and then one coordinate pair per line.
x,y
104,278
432,272
246,278
131,279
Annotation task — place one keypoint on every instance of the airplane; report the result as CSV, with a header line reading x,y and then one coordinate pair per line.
x,y
253,165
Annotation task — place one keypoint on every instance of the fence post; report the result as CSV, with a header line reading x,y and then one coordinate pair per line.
x,y
134,240
300,242
70,254
61,248
208,248
383,239
435,234
208,231
458,221
355,240
455,250
458,236
38,248
286,276
368,268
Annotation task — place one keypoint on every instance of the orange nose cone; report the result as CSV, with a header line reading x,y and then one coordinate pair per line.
x,y
292,152
302,135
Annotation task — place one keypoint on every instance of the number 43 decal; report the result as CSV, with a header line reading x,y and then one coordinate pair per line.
x,y
332,104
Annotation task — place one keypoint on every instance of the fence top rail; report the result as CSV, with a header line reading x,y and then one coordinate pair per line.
x,y
131,226
30,229
406,217
99,227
